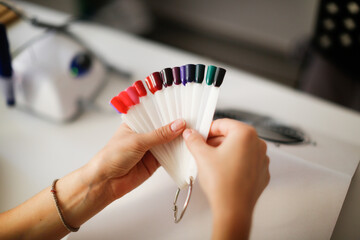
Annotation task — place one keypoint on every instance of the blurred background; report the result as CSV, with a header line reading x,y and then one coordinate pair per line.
x,y
310,45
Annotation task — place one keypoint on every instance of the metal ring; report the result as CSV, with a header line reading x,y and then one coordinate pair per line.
x,y
175,209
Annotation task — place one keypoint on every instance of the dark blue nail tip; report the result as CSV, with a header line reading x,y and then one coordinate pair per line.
x,y
190,72
183,74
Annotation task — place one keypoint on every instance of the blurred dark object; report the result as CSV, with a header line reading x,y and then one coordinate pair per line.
x,y
332,66
267,128
337,34
88,8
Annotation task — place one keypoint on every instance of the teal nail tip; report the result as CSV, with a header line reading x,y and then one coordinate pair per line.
x,y
210,74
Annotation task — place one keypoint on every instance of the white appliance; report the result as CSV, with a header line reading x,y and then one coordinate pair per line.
x,y
54,74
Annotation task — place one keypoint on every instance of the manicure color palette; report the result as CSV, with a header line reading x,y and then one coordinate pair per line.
x,y
173,93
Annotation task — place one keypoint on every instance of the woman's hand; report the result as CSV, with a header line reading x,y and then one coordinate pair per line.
x,y
233,172
126,162
123,164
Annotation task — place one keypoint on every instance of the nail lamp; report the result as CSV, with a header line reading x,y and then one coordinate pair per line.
x,y
53,75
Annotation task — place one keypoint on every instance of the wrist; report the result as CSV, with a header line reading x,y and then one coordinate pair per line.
x,y
232,222
223,202
229,212
97,182
82,194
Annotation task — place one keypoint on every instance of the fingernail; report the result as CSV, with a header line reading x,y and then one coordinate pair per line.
x,y
187,133
177,125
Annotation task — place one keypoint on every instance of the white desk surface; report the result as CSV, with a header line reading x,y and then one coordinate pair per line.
x,y
33,152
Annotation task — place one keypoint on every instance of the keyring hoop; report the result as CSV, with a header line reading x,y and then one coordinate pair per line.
x,y
175,209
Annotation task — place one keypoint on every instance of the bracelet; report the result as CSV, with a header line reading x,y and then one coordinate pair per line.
x,y
53,191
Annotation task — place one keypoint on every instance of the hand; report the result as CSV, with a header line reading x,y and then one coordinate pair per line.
x,y
233,171
125,162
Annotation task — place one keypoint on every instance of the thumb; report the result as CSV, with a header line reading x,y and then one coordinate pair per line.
x,y
164,134
196,144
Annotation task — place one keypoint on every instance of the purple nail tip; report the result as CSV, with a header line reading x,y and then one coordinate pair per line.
x,y
176,75
115,108
183,74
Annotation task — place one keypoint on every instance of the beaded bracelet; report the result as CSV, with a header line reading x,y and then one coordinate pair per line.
x,y
53,191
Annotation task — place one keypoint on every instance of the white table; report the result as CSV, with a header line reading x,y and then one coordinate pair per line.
x,y
33,152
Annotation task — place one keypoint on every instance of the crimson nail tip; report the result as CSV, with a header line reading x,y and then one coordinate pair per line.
x,y
140,88
149,85
157,81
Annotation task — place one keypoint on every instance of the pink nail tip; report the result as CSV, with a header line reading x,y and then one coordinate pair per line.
x,y
133,94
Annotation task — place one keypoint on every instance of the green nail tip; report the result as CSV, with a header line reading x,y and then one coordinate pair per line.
x,y
199,73
210,73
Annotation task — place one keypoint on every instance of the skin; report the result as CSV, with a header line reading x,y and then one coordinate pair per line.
x,y
125,162
233,172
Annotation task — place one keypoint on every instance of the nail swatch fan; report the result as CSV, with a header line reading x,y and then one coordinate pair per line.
x,y
179,92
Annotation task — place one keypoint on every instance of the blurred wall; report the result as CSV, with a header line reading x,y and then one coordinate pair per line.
x,y
265,37
273,24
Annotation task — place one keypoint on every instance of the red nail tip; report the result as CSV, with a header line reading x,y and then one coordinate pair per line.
x,y
133,94
150,85
124,97
157,81
119,105
140,88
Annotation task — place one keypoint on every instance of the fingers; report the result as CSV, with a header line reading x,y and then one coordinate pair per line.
x,y
267,161
215,141
196,143
219,127
225,126
262,146
150,163
163,134
267,173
